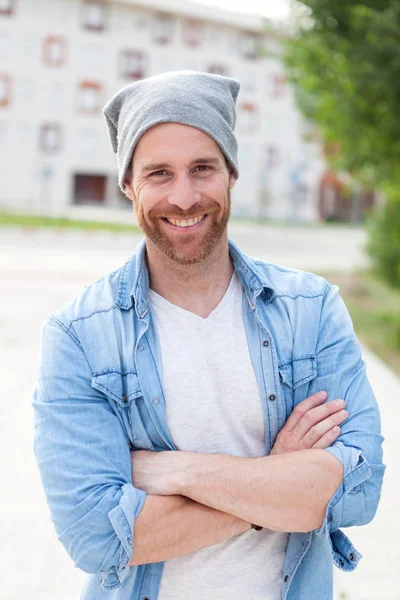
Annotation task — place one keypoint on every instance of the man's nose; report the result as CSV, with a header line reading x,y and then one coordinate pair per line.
x,y
184,192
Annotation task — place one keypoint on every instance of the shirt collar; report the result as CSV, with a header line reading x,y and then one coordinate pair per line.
x,y
134,279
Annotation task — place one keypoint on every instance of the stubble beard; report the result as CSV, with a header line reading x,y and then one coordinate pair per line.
x,y
184,254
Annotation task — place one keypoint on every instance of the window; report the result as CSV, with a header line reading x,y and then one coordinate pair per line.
x,y
248,118
89,97
50,138
163,29
7,7
89,189
271,157
192,32
218,69
250,46
132,64
279,82
5,91
54,51
94,15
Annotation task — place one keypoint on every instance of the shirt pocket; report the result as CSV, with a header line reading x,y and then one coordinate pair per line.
x,y
294,375
124,393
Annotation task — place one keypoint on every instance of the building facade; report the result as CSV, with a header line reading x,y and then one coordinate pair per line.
x,y
61,61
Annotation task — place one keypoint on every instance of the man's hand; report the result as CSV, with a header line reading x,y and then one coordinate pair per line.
x,y
312,424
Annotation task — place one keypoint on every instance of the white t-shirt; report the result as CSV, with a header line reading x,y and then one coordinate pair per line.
x,y
213,405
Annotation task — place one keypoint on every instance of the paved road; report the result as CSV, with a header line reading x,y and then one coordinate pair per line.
x,y
39,271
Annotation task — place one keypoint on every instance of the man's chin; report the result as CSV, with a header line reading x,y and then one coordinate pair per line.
x,y
185,256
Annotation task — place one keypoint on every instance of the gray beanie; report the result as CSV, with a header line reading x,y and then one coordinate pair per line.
x,y
201,100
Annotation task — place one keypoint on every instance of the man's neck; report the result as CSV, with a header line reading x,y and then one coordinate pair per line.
x,y
198,288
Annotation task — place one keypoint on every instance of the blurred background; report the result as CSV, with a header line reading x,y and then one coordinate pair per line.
x,y
318,134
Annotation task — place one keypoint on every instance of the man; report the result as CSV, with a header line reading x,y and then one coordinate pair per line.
x,y
183,435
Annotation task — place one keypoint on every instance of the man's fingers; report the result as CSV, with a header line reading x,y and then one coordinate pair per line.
x,y
303,407
327,440
323,428
317,415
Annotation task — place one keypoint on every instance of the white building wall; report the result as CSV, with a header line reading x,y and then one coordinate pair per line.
x,y
280,172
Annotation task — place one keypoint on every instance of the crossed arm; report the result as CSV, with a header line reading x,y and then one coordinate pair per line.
x,y
309,472
87,470
197,500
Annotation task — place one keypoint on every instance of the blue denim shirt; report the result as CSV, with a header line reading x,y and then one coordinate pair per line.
x,y
100,395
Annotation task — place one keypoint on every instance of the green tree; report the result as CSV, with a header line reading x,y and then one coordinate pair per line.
x,y
344,61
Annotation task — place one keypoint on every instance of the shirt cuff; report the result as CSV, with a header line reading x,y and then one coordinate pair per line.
x,y
343,504
122,518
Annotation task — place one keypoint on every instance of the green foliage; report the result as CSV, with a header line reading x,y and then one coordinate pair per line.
x,y
384,241
344,62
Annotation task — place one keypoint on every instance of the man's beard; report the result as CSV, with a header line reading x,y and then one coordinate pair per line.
x,y
184,251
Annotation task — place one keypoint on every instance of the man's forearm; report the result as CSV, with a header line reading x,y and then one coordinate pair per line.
x,y
172,526
285,492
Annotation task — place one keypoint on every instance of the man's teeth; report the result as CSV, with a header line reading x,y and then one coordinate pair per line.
x,y
187,223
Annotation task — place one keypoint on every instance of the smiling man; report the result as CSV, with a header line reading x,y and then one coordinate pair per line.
x,y
190,421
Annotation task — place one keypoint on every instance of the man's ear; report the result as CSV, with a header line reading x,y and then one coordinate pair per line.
x,y
128,191
232,177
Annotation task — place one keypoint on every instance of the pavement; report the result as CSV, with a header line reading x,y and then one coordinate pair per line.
x,y
42,269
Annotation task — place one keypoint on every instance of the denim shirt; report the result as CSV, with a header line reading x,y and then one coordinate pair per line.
x,y
100,395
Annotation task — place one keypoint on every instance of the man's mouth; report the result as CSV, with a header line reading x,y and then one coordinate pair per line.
x,y
185,222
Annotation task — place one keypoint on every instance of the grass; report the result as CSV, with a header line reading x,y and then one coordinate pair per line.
x,y
34,221
375,310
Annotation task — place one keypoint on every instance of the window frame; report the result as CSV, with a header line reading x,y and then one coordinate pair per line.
x,y
84,19
8,82
279,85
46,53
162,40
251,109
87,84
134,75
192,32
246,52
216,68
7,12
44,129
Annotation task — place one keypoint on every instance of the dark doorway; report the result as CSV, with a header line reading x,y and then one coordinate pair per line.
x,y
89,189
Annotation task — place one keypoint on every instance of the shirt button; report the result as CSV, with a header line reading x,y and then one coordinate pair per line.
x,y
341,563
272,397
130,542
124,399
140,348
265,343
330,518
155,401
351,556
286,578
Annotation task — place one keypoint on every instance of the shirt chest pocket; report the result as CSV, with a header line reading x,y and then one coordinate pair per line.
x,y
124,393
295,377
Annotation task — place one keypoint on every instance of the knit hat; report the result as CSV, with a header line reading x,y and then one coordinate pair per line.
x,y
202,100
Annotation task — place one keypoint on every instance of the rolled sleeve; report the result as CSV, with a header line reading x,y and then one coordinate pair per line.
x,y
341,372
84,461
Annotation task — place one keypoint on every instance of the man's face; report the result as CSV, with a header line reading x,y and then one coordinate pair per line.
x,y
180,188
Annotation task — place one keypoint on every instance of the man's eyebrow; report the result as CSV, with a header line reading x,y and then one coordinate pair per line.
x,y
154,167
209,160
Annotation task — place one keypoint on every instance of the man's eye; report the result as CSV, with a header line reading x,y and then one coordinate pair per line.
x,y
160,173
203,167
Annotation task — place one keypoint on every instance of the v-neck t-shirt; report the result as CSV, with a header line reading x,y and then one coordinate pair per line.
x,y
213,405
